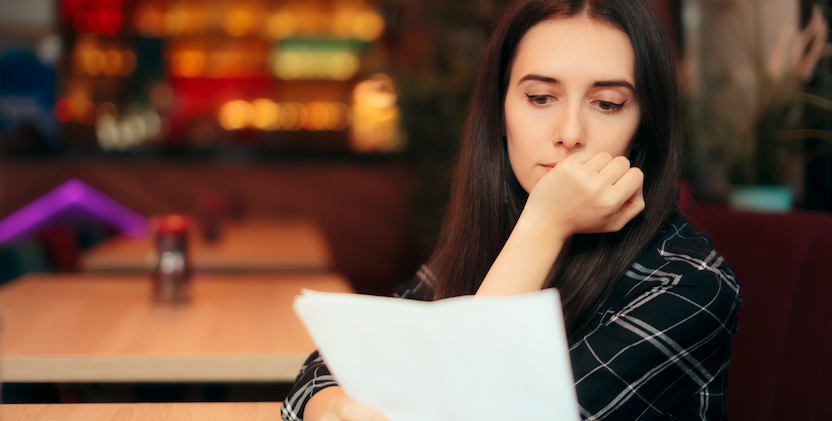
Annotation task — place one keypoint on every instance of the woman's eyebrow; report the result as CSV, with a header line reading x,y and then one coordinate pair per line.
x,y
615,83
600,84
532,76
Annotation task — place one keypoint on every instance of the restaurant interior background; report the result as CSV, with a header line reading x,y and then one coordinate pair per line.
x,y
345,112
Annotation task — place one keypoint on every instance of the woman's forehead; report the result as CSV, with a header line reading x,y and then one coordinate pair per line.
x,y
577,46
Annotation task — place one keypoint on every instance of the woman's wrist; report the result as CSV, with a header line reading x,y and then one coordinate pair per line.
x,y
542,226
525,261
320,401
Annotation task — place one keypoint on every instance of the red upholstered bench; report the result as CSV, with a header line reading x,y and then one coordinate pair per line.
x,y
781,366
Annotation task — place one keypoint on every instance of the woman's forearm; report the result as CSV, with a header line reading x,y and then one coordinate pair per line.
x,y
525,260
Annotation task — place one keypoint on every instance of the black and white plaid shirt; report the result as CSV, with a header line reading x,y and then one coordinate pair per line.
x,y
658,349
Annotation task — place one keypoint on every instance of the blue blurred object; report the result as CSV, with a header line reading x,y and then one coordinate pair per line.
x,y
762,198
22,257
27,95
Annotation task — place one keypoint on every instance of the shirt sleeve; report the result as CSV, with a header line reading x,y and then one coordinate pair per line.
x,y
662,351
314,376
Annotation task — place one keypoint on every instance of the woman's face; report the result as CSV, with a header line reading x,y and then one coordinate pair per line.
x,y
571,89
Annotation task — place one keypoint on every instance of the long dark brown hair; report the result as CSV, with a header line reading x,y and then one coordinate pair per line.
x,y
486,198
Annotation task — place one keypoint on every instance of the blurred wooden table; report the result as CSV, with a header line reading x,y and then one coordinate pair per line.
x,y
256,245
104,328
247,411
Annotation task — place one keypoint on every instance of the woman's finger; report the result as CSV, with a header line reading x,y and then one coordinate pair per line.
x,y
629,183
598,162
632,207
615,168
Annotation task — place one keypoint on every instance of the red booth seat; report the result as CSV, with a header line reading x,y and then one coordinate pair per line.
x,y
781,366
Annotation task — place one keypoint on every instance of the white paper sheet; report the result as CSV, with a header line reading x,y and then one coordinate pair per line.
x,y
459,359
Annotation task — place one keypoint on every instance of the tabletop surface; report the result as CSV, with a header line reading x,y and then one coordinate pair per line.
x,y
261,411
99,327
247,245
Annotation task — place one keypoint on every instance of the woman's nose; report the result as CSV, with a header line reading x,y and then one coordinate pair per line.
x,y
570,131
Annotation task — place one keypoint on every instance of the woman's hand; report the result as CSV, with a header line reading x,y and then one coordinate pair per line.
x,y
586,193
332,404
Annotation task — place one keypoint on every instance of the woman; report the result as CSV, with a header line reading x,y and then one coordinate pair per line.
x,y
566,179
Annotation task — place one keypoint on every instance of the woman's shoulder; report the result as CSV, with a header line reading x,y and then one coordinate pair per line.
x,y
682,261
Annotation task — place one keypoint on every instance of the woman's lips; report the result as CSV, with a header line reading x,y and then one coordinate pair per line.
x,y
549,166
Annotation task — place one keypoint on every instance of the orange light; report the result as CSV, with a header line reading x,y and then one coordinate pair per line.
x,y
265,114
318,114
224,64
176,20
112,62
94,62
188,63
235,115
342,23
128,63
238,22
344,116
367,25
64,110
281,25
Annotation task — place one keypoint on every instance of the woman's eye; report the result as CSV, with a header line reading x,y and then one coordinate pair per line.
x,y
539,99
610,106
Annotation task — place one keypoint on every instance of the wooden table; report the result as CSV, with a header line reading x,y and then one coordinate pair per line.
x,y
259,245
104,328
263,411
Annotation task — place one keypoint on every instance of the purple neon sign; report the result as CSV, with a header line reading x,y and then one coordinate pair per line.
x,y
72,201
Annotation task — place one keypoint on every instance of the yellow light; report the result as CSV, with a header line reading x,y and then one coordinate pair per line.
x,y
188,63
94,62
367,25
289,65
342,65
376,124
238,22
303,64
266,114
235,115
281,25
318,116
314,65
128,63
